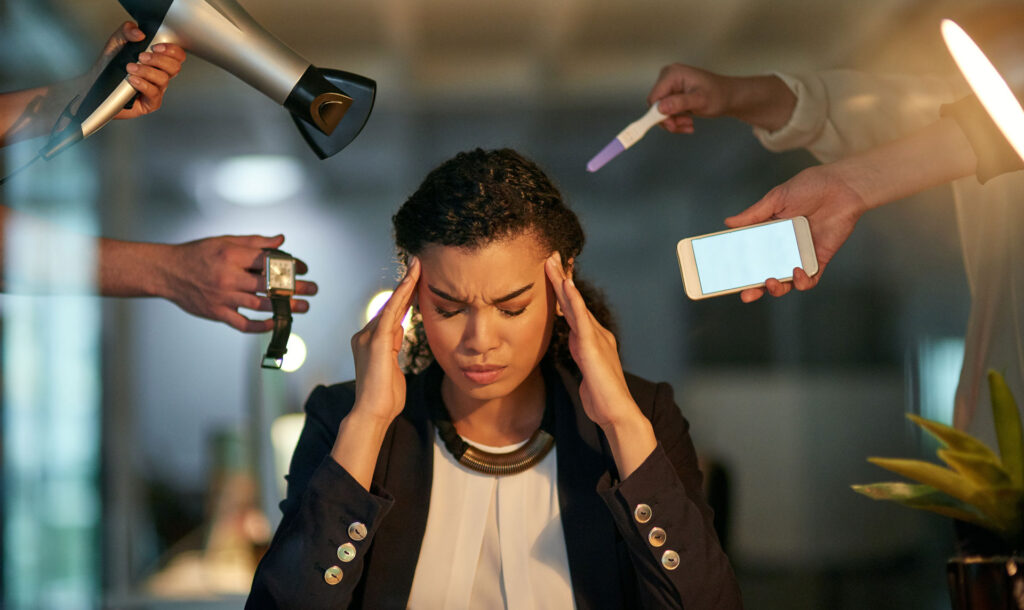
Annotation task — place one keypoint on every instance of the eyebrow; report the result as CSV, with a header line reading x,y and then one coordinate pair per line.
x,y
508,297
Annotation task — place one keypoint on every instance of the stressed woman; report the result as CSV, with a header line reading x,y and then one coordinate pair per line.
x,y
512,464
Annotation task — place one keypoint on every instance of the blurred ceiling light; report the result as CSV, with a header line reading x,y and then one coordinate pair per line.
x,y
993,77
295,357
377,302
258,180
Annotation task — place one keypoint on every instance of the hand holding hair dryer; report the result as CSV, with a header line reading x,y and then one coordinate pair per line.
x,y
329,107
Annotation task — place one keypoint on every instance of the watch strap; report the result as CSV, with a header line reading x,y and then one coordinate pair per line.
x,y
282,329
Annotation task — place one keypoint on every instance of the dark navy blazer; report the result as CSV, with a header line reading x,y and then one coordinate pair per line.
x,y
612,563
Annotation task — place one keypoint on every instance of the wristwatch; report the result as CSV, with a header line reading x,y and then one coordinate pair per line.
x,y
279,282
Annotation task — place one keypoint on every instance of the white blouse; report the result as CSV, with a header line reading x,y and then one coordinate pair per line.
x,y
492,542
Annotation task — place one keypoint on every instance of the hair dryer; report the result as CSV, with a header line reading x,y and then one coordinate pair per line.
x,y
329,107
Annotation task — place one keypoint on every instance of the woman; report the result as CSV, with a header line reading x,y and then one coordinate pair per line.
x,y
439,488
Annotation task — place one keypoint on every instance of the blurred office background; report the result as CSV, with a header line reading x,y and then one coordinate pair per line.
x,y
138,468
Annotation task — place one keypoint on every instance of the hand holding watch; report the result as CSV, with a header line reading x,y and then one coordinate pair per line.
x,y
279,278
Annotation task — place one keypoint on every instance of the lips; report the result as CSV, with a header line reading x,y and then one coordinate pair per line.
x,y
483,374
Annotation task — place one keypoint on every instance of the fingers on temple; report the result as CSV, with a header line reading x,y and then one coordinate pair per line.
x,y
569,298
556,276
394,310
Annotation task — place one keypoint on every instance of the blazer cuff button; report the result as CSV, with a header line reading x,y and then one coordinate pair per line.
x,y
332,575
357,531
670,559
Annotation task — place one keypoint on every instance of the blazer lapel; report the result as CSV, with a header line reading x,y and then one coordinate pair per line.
x,y
590,533
405,469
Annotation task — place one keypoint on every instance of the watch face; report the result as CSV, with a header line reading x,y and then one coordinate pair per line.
x,y
280,274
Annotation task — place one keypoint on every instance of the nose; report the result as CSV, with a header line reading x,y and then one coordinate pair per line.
x,y
480,335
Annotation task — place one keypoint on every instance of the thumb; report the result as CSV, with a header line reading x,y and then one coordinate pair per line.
x,y
130,31
680,102
761,211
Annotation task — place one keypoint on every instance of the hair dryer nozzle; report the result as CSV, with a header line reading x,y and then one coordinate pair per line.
x,y
336,119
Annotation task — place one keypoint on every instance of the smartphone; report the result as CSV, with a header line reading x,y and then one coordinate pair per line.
x,y
737,259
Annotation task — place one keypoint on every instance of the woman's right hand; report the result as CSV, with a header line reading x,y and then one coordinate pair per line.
x,y
380,383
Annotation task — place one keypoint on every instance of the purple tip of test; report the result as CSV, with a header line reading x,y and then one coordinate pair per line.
x,y
607,154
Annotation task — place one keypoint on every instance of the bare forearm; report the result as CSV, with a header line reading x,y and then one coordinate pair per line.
x,y
33,112
631,442
760,101
132,269
358,445
935,155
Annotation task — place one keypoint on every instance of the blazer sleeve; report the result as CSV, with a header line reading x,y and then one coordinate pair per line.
x,y
315,559
666,523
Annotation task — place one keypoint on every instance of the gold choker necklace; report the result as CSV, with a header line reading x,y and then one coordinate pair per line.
x,y
500,464
480,460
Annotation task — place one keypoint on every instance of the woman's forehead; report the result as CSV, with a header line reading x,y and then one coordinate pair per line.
x,y
489,271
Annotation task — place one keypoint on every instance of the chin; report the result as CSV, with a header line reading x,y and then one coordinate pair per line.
x,y
490,391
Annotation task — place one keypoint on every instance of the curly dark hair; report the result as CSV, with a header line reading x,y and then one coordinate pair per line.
x,y
481,196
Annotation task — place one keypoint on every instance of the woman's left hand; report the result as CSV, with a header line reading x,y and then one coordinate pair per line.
x,y
604,393
606,398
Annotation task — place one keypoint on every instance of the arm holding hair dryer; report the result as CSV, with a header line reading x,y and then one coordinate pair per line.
x,y
329,107
210,278
32,112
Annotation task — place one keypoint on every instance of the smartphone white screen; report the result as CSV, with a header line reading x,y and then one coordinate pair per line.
x,y
742,258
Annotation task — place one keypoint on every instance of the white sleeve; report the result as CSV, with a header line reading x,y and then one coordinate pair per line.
x,y
840,112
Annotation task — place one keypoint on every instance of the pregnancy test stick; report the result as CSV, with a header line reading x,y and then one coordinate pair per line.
x,y
627,137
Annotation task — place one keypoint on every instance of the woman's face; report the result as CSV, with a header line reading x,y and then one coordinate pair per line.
x,y
487,313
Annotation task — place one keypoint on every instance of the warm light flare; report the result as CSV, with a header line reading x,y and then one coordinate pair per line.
x,y
295,357
377,303
993,92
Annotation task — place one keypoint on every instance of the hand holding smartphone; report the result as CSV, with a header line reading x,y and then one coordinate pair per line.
x,y
734,260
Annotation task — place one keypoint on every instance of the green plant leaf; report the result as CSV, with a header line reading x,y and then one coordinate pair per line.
x,y
984,471
942,479
1008,428
952,438
1002,505
996,503
925,497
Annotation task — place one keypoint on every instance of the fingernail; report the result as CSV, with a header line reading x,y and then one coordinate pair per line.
x,y
135,80
160,48
133,68
145,56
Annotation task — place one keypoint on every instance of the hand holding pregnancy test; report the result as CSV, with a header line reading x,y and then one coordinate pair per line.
x,y
627,137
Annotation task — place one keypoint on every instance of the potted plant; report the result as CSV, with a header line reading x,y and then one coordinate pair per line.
x,y
978,487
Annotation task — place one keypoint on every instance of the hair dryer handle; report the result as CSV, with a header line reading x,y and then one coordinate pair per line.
x,y
108,95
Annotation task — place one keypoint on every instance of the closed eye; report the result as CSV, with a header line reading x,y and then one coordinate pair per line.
x,y
512,313
446,313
